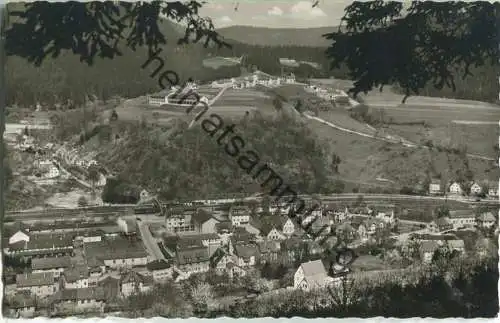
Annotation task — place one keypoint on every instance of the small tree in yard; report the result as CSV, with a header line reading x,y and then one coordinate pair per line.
x,y
202,297
82,201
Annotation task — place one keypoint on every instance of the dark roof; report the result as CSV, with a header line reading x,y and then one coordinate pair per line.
x,y
223,226
132,276
429,246
115,249
78,294
34,279
21,300
76,273
158,265
192,255
45,241
269,246
76,225
246,250
201,216
50,263
462,214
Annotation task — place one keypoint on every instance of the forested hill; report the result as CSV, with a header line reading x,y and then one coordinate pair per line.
x,y
308,37
67,81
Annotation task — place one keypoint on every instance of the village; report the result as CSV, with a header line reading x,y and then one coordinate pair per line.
x,y
86,265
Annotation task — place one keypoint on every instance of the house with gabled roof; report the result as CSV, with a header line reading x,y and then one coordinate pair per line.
x,y
456,245
78,301
20,236
427,249
192,259
245,255
435,187
54,265
133,283
311,275
269,251
486,220
475,189
455,189
239,215
493,189
21,304
462,218
38,284
219,259
76,277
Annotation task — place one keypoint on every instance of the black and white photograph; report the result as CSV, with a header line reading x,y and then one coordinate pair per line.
x,y
250,159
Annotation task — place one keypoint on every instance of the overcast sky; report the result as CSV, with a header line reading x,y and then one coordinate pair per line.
x,y
275,13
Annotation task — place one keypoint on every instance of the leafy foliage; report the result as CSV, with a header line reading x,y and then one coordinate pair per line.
x,y
184,163
414,47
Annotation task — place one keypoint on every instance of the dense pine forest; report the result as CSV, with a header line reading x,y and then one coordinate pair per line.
x,y
66,82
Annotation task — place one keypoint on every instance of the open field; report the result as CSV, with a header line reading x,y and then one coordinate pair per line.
x,y
217,62
447,121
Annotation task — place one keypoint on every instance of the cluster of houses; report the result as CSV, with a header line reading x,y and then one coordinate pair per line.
x,y
335,95
251,81
87,266
462,219
70,266
233,242
436,187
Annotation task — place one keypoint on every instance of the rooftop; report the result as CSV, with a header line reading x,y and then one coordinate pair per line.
x,y
461,214
76,273
246,250
50,263
192,255
119,248
44,241
34,279
158,265
78,294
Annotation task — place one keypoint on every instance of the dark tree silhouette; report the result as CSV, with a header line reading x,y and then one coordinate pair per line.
x,y
91,29
429,43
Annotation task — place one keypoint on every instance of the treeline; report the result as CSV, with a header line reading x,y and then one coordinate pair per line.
x,y
186,163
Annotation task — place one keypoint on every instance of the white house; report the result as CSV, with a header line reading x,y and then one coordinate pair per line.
x,y
19,236
386,217
157,100
435,187
288,227
456,189
48,168
290,79
239,216
493,189
475,189
311,275
462,218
